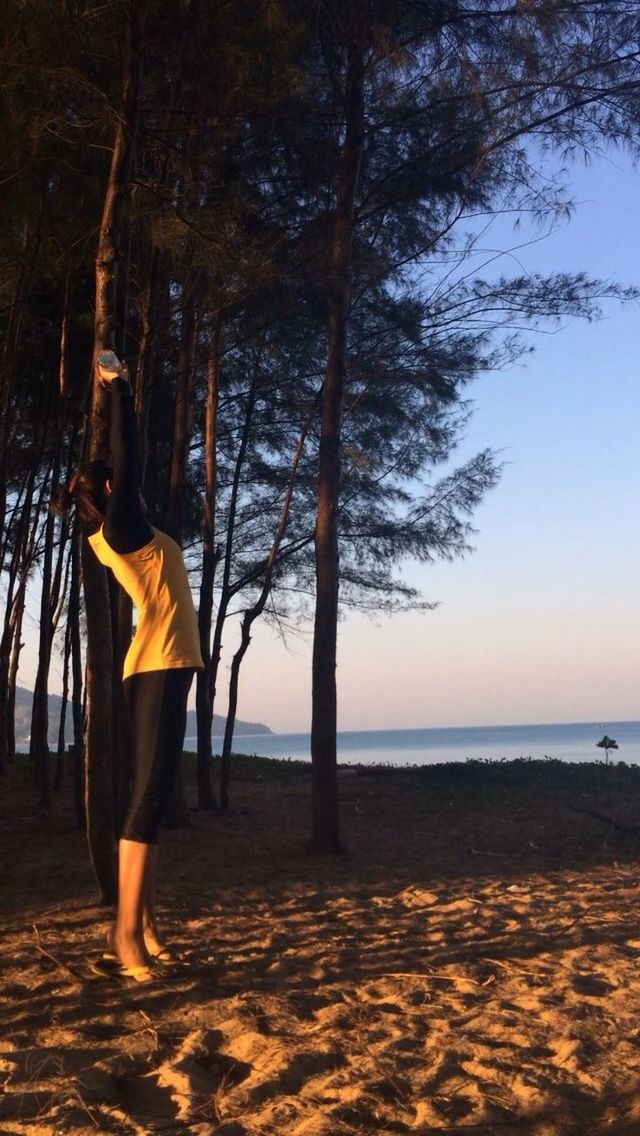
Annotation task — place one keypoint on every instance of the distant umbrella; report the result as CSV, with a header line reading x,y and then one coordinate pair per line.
x,y
606,744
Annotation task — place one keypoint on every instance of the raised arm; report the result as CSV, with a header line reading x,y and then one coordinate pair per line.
x,y
125,527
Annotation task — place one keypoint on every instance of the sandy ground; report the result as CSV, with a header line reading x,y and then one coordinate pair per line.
x,y
470,964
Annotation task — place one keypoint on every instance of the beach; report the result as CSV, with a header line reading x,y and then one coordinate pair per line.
x,y
469,964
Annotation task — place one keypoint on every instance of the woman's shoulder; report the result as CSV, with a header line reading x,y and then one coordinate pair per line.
x,y
98,543
105,551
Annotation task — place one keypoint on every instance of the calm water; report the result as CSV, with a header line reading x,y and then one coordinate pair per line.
x,y
567,741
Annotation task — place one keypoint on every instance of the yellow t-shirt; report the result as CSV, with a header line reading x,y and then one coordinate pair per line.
x,y
156,580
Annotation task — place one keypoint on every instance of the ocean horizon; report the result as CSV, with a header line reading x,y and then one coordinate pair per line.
x,y
562,741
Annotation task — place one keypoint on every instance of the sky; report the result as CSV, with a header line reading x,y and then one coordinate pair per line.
x,y
541,623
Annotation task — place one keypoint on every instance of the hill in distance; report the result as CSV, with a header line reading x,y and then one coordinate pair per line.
x,y
24,699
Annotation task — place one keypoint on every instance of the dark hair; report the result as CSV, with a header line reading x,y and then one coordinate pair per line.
x,y
86,488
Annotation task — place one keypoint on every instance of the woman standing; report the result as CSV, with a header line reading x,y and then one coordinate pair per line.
x,y
158,668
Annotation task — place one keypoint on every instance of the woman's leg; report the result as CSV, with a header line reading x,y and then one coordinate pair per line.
x,y
127,938
149,915
136,848
158,705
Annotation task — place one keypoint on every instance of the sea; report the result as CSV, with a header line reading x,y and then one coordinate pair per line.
x,y
564,741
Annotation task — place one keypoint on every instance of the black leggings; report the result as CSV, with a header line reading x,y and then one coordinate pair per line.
x,y
157,702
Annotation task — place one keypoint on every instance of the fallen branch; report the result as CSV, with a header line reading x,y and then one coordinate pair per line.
x,y
516,1121
52,958
436,977
613,822
511,967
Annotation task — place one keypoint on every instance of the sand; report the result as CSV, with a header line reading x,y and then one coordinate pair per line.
x,y
469,965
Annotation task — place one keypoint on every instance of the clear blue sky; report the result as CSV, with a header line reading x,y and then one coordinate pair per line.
x,y
541,623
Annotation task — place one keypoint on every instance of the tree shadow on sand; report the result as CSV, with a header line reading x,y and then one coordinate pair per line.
x,y
468,966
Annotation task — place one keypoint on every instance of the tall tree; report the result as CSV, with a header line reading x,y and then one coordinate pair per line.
x,y
101,737
325,824
431,109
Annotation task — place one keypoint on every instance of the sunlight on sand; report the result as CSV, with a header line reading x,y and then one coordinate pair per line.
x,y
469,965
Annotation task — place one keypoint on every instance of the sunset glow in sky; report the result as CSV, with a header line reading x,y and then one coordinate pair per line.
x,y
542,622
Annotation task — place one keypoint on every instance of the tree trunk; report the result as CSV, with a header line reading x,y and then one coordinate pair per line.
x,y
64,705
73,616
178,812
10,352
181,417
226,590
100,735
10,640
144,375
121,626
24,552
98,780
189,321
10,643
254,612
14,665
204,703
39,742
325,813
